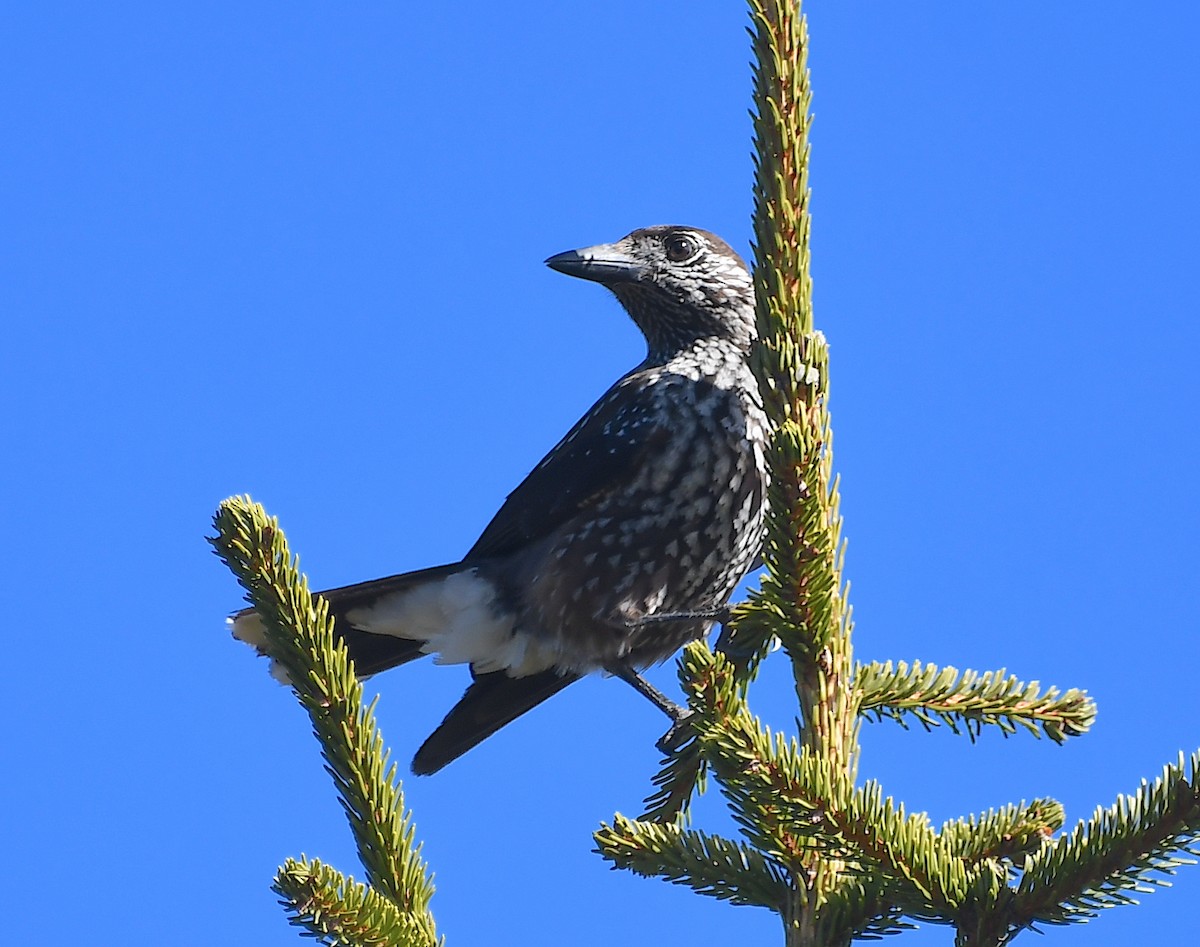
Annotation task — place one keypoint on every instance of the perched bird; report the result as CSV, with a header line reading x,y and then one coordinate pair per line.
x,y
628,538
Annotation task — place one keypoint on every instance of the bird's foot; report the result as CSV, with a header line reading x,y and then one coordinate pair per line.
x,y
678,735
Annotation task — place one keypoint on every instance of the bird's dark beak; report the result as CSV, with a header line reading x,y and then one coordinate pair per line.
x,y
602,264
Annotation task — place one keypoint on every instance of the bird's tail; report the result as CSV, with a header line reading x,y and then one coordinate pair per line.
x,y
492,700
455,612
384,623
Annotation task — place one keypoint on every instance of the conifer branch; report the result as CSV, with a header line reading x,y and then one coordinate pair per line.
x,y
1121,850
709,864
778,803
968,701
337,910
682,775
792,806
715,686
1003,834
683,769
802,597
856,862
299,636
796,807
859,906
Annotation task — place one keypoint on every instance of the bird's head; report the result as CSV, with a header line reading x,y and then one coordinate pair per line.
x,y
679,284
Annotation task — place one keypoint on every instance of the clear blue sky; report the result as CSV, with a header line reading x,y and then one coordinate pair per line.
x,y
295,250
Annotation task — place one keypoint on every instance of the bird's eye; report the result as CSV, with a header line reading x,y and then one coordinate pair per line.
x,y
681,247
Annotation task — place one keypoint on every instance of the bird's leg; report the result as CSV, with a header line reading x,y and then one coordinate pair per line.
x,y
647,690
720,613
679,715
727,645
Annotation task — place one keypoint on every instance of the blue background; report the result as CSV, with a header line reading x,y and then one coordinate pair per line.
x,y
295,250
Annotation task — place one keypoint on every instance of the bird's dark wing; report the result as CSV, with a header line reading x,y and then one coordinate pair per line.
x,y
598,453
491,701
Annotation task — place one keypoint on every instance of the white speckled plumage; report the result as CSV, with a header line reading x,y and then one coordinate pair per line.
x,y
650,506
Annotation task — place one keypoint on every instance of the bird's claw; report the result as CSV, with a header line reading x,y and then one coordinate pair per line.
x,y
679,734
